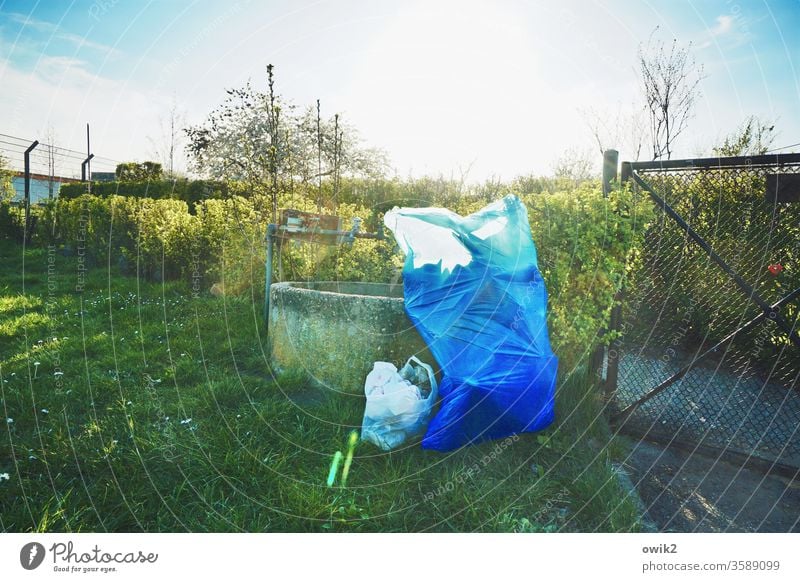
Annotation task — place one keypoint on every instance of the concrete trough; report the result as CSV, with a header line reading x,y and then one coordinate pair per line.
x,y
335,331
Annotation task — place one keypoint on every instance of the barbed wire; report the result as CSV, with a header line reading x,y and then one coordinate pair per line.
x,y
783,147
55,162
8,142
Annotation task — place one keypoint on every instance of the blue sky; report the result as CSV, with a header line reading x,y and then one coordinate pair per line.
x,y
442,86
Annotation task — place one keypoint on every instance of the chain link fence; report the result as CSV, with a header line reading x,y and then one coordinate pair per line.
x,y
709,354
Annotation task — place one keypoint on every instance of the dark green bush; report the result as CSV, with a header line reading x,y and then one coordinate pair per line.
x,y
190,191
12,221
139,172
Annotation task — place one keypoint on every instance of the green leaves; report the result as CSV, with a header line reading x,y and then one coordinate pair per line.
x,y
586,244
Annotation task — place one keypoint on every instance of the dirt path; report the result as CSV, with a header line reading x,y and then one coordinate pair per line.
x,y
684,492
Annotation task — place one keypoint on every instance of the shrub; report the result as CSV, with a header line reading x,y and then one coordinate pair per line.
x,y
585,244
190,191
231,243
139,172
12,221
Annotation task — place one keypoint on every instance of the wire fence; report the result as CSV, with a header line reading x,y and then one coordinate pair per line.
x,y
50,165
710,354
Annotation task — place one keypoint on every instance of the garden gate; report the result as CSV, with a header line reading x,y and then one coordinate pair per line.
x,y
708,355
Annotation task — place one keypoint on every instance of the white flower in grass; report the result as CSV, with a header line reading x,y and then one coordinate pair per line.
x,y
9,421
186,420
45,411
5,477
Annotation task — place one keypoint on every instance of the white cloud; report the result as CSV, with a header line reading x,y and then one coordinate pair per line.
x,y
63,94
56,32
728,29
724,25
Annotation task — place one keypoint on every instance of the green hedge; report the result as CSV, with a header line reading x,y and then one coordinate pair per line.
x,y
222,241
12,221
190,191
585,243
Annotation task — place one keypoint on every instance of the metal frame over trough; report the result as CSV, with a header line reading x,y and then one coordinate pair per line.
x,y
334,331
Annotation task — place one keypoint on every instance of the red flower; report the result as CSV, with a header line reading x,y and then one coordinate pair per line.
x,y
775,269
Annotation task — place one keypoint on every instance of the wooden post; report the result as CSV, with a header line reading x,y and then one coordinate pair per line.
x,y
610,161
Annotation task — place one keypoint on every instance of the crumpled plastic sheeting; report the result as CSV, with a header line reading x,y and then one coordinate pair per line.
x,y
474,292
396,408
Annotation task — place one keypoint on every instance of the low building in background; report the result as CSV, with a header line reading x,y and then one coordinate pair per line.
x,y
43,187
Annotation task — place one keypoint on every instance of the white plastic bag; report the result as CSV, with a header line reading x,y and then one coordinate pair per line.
x,y
399,404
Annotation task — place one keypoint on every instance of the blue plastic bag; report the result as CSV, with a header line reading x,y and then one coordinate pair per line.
x,y
474,292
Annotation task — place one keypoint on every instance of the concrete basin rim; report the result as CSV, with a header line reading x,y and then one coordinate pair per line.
x,y
294,287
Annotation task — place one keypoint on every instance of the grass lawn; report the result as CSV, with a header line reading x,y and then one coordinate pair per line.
x,y
137,406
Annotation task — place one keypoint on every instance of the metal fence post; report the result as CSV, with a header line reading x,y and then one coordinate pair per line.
x,y
27,157
610,161
614,353
84,165
626,172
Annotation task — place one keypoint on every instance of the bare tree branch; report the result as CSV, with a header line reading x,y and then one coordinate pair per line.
x,y
670,79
